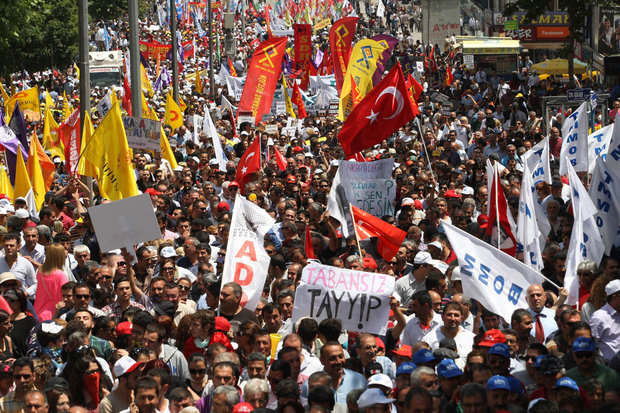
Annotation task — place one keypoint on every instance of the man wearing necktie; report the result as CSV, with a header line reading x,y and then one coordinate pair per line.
x,y
543,317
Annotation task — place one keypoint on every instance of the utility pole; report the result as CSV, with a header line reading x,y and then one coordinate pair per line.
x,y
175,51
211,60
84,76
134,59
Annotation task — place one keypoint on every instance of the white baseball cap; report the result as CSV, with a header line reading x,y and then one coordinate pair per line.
x,y
168,252
380,379
612,287
125,365
372,396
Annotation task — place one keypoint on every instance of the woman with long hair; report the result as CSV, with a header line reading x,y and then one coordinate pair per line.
x,y
50,279
59,401
22,321
6,344
86,380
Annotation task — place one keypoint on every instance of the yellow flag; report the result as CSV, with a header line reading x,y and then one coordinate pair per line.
x,y
109,152
198,82
173,115
166,150
77,70
287,100
22,181
5,97
28,99
146,110
5,184
66,106
146,83
87,168
49,102
51,140
35,173
361,68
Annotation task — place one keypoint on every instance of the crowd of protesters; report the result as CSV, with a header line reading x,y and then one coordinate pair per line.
x,y
90,330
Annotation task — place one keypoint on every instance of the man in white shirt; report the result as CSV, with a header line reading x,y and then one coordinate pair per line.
x,y
425,319
452,318
605,322
18,265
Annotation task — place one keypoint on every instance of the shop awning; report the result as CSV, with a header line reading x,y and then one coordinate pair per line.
x,y
491,46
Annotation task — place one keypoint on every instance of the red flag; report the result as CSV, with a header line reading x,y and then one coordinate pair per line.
x,y
296,99
340,38
432,60
367,226
303,42
231,68
126,104
449,77
309,248
357,156
248,164
385,109
415,87
280,159
498,214
262,77
70,135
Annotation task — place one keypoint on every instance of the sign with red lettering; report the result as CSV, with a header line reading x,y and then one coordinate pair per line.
x,y
70,135
247,261
360,300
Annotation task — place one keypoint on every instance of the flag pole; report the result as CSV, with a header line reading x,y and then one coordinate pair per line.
x,y
357,238
496,184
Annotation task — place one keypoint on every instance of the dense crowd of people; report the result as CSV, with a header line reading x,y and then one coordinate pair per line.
x,y
83,329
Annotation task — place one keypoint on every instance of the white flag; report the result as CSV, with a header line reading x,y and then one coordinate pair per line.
x,y
247,261
585,239
537,160
221,77
603,190
575,141
208,128
380,9
598,143
528,234
495,279
104,105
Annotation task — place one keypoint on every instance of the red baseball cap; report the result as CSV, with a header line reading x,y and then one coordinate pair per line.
x,y
492,337
124,328
369,262
451,193
223,206
483,221
222,324
233,183
404,351
152,191
291,179
243,408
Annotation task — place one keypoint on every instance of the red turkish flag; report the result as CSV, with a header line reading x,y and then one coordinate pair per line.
x,y
309,248
385,109
367,226
449,77
280,159
249,163
499,231
126,104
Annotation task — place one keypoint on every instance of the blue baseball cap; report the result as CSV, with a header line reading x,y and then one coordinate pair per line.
x,y
498,383
448,368
539,360
566,382
406,368
500,349
515,385
423,355
583,344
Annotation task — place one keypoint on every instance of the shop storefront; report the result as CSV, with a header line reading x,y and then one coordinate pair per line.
x,y
492,53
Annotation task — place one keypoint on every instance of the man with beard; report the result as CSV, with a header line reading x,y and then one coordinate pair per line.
x,y
452,317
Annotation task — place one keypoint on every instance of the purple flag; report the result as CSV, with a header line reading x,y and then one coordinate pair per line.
x,y
10,143
18,127
389,42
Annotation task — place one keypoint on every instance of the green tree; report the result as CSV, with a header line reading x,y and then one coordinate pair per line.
x,y
577,10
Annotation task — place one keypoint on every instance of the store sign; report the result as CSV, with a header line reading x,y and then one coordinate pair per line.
x,y
525,35
552,33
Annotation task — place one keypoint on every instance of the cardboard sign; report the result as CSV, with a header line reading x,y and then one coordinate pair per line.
x,y
143,133
125,223
446,110
271,129
360,300
375,196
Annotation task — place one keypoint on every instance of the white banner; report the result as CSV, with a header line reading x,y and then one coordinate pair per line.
x,y
360,300
208,128
585,239
247,261
350,175
575,141
497,280
603,190
528,234
380,9
537,160
143,133
235,86
598,143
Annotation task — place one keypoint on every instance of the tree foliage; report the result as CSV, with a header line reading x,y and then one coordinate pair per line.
x,y
37,34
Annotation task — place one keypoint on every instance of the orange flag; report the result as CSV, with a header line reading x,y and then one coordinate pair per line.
x,y
297,100
47,166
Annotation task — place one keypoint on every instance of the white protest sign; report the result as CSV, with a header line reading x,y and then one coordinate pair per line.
x,y
247,261
598,143
495,279
348,176
375,196
125,223
143,133
468,59
360,300
271,129
575,141
419,66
